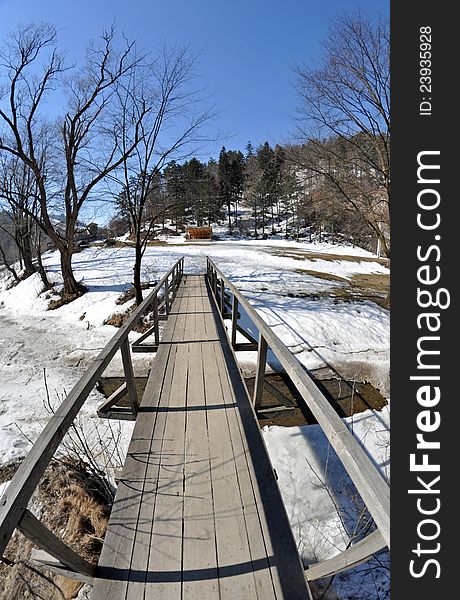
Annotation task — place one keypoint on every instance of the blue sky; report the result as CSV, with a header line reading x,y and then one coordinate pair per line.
x,y
251,47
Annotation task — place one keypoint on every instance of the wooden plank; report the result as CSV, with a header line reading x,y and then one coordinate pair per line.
x,y
274,411
157,457
115,565
42,559
234,557
165,557
144,336
289,579
167,300
115,562
351,557
157,462
156,329
144,348
274,391
245,347
199,529
119,414
199,565
247,335
112,399
42,537
222,297
265,573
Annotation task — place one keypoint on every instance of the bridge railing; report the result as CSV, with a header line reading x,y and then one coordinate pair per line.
x,y
369,482
14,513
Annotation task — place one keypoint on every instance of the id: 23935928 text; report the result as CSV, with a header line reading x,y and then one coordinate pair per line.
x,y
425,70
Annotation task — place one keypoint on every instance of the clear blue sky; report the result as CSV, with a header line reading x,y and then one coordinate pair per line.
x,y
251,47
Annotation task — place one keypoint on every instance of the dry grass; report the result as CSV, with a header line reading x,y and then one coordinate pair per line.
x,y
129,294
66,298
76,510
374,287
305,255
119,319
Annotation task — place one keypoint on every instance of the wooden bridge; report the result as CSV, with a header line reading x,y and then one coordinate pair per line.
x,y
198,512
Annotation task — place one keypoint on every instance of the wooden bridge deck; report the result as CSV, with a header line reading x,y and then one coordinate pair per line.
x,y
197,512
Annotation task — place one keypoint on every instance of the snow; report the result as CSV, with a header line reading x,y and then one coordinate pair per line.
x,y
3,487
318,494
350,339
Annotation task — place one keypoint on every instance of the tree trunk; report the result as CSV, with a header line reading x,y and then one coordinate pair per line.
x,y
72,288
7,265
41,269
137,274
23,242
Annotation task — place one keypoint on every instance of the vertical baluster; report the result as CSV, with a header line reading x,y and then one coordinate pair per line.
x,y
260,371
222,297
155,321
234,319
129,376
167,295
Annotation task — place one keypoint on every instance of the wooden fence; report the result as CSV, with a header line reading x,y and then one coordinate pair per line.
x,y
372,487
13,507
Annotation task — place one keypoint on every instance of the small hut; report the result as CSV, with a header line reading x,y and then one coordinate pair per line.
x,y
198,233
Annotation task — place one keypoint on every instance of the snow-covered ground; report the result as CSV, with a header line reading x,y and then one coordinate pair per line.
x,y
38,346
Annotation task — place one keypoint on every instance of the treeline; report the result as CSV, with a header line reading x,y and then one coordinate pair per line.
x,y
265,191
129,130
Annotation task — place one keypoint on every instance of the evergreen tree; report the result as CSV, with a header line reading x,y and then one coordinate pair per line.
x,y
249,150
174,189
225,186
231,180
268,181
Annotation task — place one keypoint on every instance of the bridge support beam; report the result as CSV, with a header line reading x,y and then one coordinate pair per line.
x,y
41,536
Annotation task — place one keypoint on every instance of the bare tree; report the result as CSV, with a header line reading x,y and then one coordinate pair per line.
x,y
19,205
344,121
84,146
172,129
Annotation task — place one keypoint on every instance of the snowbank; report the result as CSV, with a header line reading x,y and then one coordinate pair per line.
x,y
319,496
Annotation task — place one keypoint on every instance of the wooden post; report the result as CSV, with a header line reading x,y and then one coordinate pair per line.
x,y
222,297
214,277
156,329
167,295
234,320
176,281
260,371
129,376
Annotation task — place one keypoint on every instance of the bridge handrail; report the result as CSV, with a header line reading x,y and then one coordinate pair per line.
x,y
369,482
13,504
